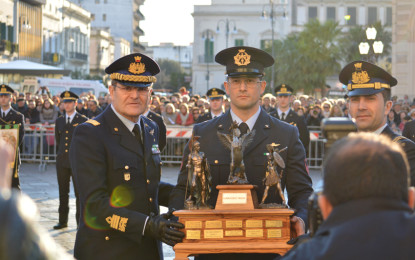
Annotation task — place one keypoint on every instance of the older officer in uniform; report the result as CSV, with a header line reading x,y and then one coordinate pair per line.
x,y
245,70
286,114
116,163
64,128
215,96
369,93
10,118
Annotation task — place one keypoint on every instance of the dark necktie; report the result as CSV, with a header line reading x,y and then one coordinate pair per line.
x,y
282,116
69,121
4,115
243,127
137,135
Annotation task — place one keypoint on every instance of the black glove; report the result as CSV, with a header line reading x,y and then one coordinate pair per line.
x,y
161,228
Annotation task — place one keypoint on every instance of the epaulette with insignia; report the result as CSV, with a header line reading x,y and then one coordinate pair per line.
x,y
93,122
398,139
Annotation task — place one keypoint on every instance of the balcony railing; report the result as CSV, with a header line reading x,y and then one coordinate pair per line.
x,y
78,56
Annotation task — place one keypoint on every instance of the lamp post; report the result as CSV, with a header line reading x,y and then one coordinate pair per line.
x,y
227,24
208,38
377,46
273,14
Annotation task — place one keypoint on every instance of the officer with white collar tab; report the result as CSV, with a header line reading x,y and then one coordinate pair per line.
x,y
286,114
369,93
116,163
215,96
64,127
245,85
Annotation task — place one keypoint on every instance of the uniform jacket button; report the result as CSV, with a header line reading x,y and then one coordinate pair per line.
x,y
150,199
66,151
148,181
107,238
126,167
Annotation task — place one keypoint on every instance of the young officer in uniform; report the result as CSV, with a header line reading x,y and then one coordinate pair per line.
x,y
116,163
245,85
369,93
64,128
215,96
286,114
10,118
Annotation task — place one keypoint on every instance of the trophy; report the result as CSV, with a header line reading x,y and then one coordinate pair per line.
x,y
237,223
198,177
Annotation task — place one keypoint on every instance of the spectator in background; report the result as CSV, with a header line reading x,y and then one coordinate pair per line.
x,y
170,115
195,113
93,109
266,103
391,118
32,115
39,104
336,111
80,107
48,113
326,109
156,103
28,96
314,117
296,106
300,111
412,113
183,91
404,120
102,102
184,117
44,92
185,99
21,105
175,100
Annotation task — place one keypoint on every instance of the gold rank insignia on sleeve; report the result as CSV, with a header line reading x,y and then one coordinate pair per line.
x,y
93,122
117,222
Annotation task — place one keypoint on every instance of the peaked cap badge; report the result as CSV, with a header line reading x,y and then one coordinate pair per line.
x,y
242,58
360,76
214,92
67,94
137,67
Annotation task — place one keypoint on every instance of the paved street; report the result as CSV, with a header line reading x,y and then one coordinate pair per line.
x,y
42,187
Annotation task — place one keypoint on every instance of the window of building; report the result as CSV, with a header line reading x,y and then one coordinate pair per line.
x,y
208,50
265,44
389,16
331,14
239,42
92,17
104,17
312,12
351,13
372,15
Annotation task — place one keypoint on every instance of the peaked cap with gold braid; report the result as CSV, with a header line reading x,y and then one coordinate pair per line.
x,y
284,90
69,96
134,70
6,90
363,79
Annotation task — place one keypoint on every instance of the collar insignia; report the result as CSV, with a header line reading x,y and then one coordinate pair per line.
x,y
242,58
360,76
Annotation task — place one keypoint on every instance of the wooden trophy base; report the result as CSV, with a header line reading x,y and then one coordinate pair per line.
x,y
236,225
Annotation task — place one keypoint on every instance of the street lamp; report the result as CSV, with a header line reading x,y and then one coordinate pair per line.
x,y
207,36
227,23
273,14
377,46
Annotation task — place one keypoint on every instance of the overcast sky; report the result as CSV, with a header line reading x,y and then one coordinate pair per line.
x,y
168,21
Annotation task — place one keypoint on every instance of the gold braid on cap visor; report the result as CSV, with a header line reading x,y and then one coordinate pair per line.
x,y
376,85
132,78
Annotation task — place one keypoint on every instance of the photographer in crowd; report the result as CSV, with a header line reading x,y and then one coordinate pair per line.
x,y
366,203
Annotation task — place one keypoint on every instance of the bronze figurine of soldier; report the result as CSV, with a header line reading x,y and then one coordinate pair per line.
x,y
272,177
199,178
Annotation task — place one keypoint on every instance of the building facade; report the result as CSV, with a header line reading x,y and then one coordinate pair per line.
x,y
403,47
181,54
122,17
101,51
227,23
